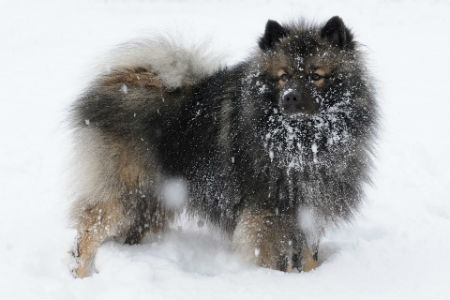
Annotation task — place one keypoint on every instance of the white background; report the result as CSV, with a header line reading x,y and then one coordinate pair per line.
x,y
396,248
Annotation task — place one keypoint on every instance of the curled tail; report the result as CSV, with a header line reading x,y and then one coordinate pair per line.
x,y
175,64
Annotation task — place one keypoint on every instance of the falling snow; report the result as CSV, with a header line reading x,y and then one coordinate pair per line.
x,y
124,89
174,193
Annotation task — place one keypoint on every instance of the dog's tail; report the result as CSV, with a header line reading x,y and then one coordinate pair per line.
x,y
175,64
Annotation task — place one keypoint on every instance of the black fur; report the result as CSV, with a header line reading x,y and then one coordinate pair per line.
x,y
337,34
273,34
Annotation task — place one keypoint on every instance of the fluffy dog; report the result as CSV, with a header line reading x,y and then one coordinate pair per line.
x,y
271,150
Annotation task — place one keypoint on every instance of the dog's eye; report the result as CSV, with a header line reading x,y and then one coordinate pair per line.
x,y
284,77
316,76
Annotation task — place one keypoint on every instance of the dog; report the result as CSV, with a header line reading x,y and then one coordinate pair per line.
x,y
272,150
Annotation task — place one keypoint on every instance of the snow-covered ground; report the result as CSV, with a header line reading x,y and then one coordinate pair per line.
x,y
398,246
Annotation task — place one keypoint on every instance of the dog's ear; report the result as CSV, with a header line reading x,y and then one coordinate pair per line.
x,y
273,34
337,34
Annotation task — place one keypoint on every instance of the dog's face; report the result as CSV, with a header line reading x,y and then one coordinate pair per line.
x,y
308,67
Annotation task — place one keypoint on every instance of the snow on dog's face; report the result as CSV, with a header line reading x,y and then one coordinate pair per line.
x,y
308,68
307,91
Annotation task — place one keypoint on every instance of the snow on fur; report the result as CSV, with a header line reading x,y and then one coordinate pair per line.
x,y
175,62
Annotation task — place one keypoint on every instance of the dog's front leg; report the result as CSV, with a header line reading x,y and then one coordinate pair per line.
x,y
268,239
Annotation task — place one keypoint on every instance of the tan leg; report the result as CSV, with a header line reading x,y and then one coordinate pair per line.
x,y
97,223
309,262
266,239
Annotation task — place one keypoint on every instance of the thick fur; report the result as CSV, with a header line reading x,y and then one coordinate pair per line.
x,y
273,176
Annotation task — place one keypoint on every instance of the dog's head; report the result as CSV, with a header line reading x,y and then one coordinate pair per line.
x,y
307,67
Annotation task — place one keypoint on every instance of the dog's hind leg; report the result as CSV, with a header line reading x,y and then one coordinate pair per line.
x,y
149,216
97,222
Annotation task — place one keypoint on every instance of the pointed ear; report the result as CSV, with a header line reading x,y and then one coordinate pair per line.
x,y
273,34
337,34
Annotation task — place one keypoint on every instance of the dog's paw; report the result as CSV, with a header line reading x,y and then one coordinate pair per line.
x,y
308,261
268,240
79,267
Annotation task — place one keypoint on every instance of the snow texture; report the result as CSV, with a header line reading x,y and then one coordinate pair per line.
x,y
174,193
397,247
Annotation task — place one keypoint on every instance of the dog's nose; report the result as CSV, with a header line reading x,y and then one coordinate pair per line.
x,y
291,97
291,102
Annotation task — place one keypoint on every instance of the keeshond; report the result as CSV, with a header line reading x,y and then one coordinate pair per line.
x,y
272,150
